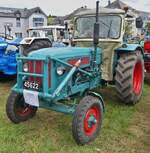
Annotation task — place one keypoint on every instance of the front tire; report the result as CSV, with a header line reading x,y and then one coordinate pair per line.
x,y
87,120
17,110
129,78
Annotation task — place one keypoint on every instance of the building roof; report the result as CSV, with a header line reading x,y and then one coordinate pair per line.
x,y
71,15
60,19
118,4
121,5
102,10
24,13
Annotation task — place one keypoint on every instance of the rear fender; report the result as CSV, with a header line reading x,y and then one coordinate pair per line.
x,y
125,48
129,48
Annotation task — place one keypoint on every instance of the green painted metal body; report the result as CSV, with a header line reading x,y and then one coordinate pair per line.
x,y
129,48
74,81
125,49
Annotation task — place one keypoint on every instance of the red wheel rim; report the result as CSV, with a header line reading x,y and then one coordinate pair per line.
x,y
21,108
91,120
137,78
24,111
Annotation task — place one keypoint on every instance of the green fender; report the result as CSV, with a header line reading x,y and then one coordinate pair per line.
x,y
125,48
95,94
129,48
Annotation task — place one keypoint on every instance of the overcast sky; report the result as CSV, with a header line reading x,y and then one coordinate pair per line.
x,y
63,7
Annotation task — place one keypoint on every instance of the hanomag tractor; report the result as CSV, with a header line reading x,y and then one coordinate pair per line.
x,y
54,33
54,78
48,77
44,37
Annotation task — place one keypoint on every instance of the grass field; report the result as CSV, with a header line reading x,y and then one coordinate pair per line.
x,y
125,129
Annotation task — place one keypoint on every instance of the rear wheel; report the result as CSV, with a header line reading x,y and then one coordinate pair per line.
x,y
129,77
87,120
35,45
17,110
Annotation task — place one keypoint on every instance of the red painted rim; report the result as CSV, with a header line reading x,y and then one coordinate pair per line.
x,y
137,78
24,111
90,126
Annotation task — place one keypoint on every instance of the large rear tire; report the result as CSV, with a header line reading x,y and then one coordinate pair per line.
x,y
35,45
87,120
17,110
129,78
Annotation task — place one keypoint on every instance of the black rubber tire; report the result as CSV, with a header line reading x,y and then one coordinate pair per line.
x,y
78,120
124,77
14,99
35,45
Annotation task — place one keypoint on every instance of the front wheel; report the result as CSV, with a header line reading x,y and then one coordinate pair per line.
x,y
129,78
17,110
87,120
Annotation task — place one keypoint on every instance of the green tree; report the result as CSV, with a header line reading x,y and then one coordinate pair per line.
x,y
50,20
148,26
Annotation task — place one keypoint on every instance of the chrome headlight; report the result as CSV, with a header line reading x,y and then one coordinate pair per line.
x,y
60,70
25,67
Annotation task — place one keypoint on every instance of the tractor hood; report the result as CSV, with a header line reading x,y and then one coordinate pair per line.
x,y
62,52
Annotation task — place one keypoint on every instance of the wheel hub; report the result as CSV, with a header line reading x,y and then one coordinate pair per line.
x,y
91,120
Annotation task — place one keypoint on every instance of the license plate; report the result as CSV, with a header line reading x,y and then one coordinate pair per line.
x,y
31,97
31,85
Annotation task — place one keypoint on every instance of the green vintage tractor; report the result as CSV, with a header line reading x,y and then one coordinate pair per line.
x,y
63,79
